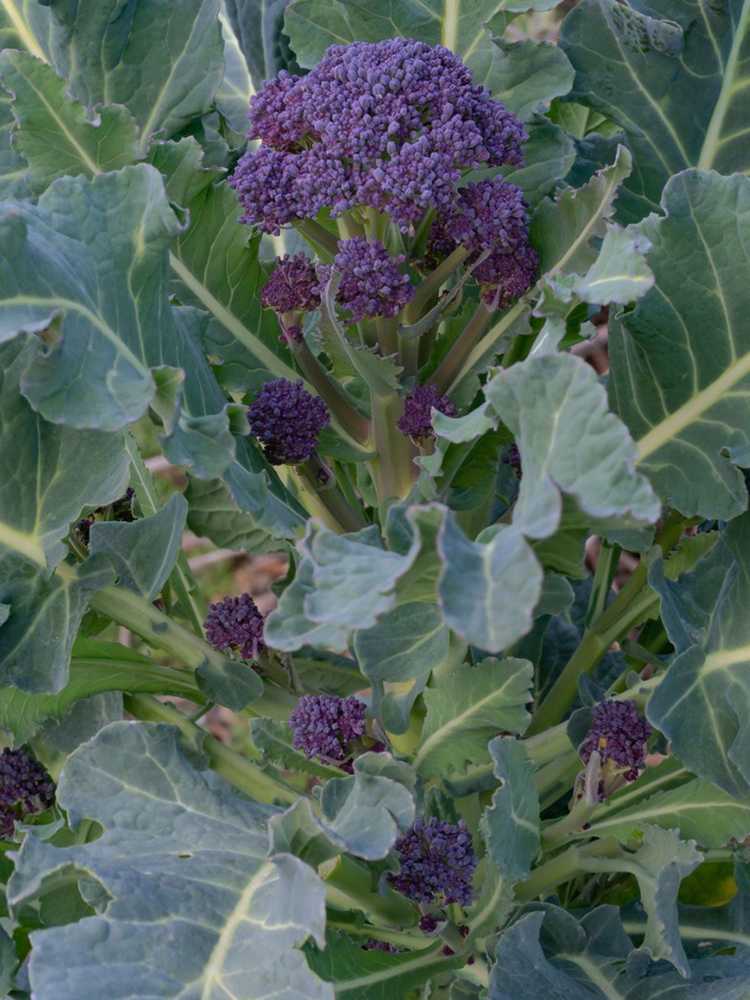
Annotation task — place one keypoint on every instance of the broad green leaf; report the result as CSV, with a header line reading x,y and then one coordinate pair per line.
x,y
526,75
229,682
14,181
82,722
163,62
25,25
563,229
215,266
274,740
659,865
547,953
257,25
466,708
488,589
569,442
620,273
181,164
54,134
356,974
232,99
510,826
143,552
547,158
460,25
693,321
169,833
95,668
702,703
639,65
405,644
289,627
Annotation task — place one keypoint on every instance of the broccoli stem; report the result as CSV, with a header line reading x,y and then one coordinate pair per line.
x,y
450,368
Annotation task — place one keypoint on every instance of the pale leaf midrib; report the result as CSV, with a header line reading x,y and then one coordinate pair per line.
x,y
25,544
711,142
22,29
346,985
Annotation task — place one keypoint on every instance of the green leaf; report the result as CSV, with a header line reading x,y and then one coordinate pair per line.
x,y
184,834
563,229
181,165
54,134
143,552
620,273
547,158
14,181
274,741
526,75
467,708
232,99
640,69
163,63
702,703
693,321
488,590
405,644
229,682
569,443
375,975
95,668
659,866
257,25
510,826
698,810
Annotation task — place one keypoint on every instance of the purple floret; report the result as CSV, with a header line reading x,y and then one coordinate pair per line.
x,y
490,217
235,623
437,863
620,734
292,287
416,421
401,119
25,788
287,420
324,725
372,283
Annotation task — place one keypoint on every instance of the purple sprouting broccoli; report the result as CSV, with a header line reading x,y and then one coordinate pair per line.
x,y
326,726
490,219
391,125
287,420
372,283
512,457
619,734
236,624
25,789
437,863
292,287
416,421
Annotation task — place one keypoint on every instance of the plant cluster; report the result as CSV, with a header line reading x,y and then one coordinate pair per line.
x,y
322,281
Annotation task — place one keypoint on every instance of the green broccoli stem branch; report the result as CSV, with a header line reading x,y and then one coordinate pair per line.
x,y
634,602
565,866
447,373
324,242
428,288
393,468
488,343
237,769
349,885
322,483
336,399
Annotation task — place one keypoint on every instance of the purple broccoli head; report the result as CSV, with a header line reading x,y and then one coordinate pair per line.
x,y
416,421
490,218
619,733
235,623
325,726
437,863
388,124
372,283
25,788
287,420
292,287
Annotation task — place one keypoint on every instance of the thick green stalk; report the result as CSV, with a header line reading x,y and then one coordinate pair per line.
x,y
348,884
565,866
351,421
606,567
325,243
393,468
320,481
489,341
630,606
238,770
447,372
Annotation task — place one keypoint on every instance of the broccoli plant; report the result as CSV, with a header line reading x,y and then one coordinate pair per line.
x,y
444,305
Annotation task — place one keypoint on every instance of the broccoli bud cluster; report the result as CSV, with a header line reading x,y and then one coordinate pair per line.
x,y
437,863
619,734
25,789
372,283
287,421
416,420
236,624
325,726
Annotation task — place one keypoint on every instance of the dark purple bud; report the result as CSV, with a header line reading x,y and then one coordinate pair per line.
x,y
292,286
287,420
619,733
235,624
437,863
428,923
25,789
512,457
416,421
325,726
119,510
372,283
373,945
